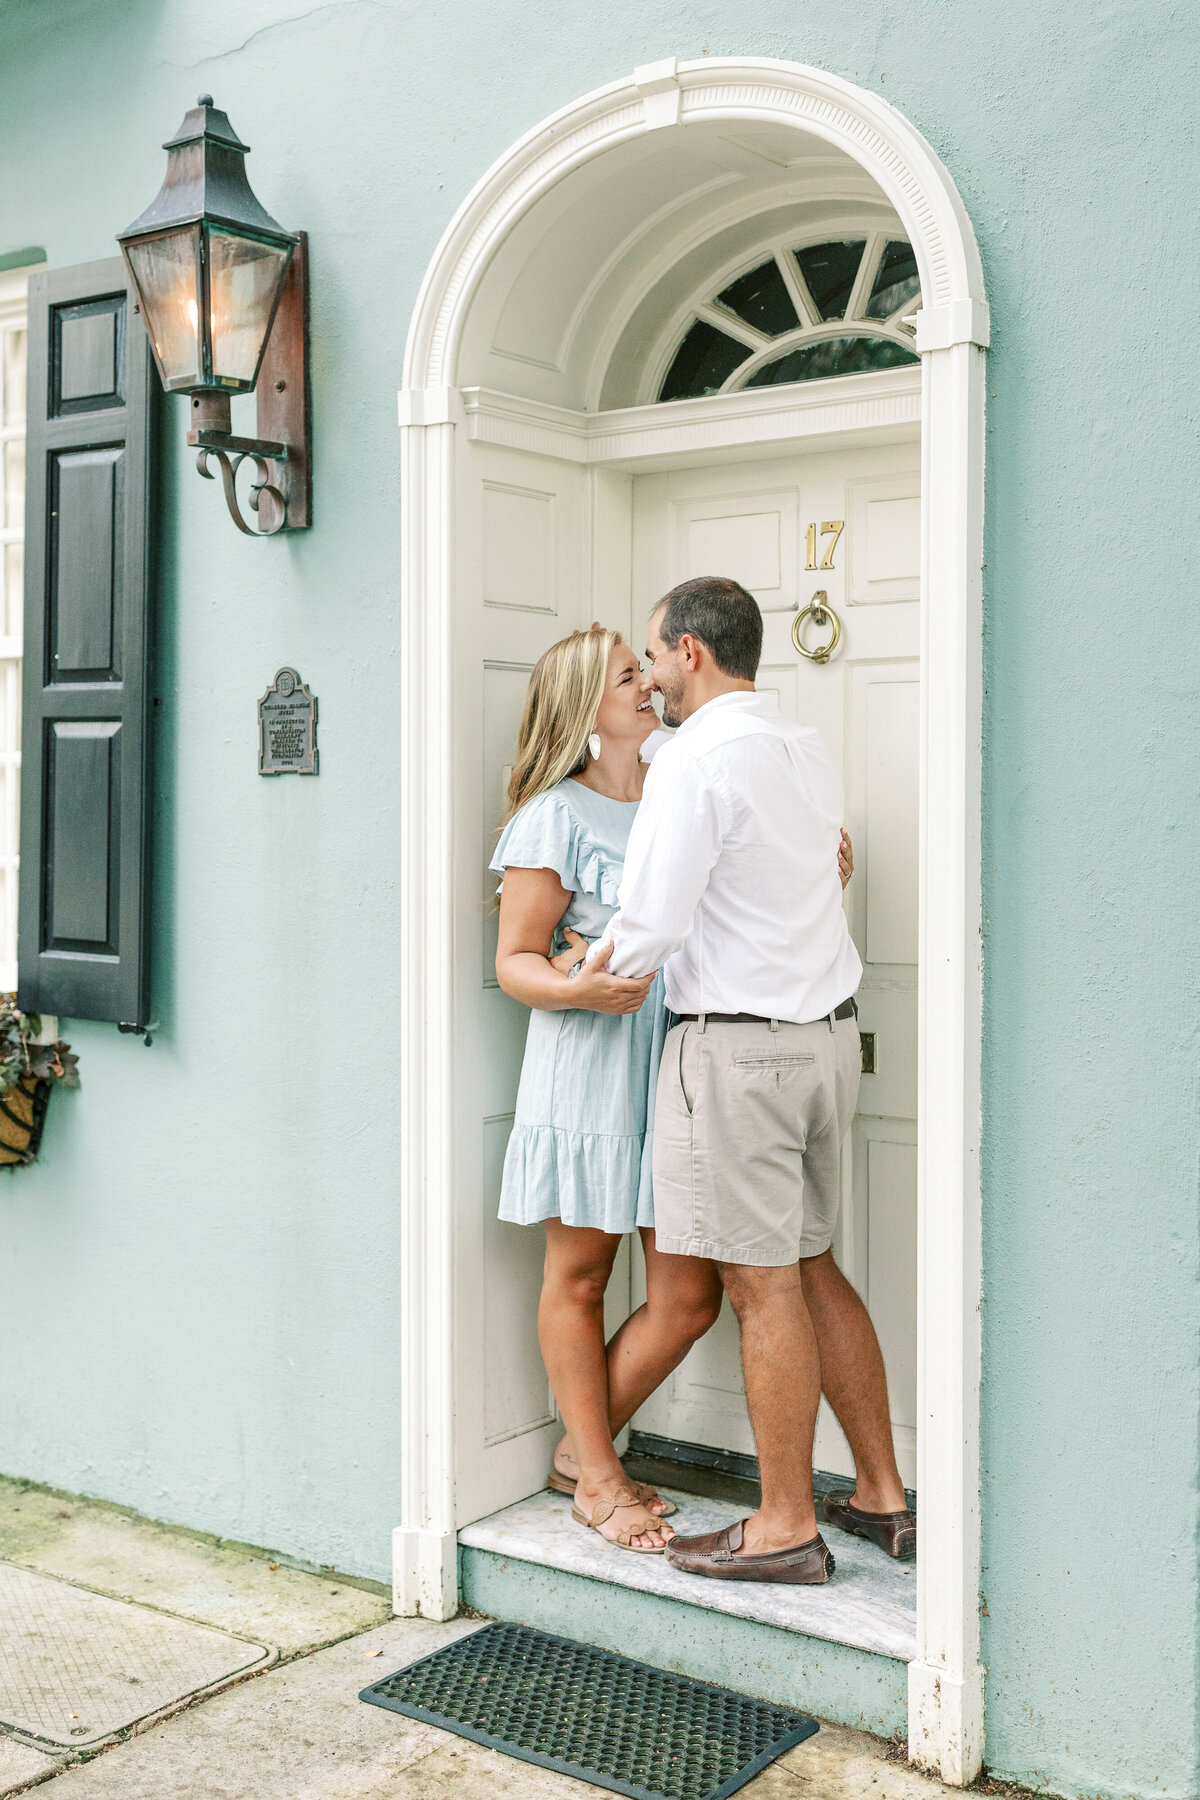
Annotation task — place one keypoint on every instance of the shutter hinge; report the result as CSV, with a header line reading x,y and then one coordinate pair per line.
x,y
137,1030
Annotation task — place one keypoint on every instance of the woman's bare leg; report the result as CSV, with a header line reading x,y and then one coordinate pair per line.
x,y
683,1298
571,1333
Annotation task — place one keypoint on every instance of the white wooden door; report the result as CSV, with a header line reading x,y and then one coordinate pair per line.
x,y
519,557
845,522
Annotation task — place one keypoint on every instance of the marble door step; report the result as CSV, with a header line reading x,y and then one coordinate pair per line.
x,y
870,1604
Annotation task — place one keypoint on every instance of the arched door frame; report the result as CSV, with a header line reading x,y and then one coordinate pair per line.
x,y
946,1680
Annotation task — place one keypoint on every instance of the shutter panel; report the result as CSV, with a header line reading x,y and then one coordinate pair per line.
x,y
84,907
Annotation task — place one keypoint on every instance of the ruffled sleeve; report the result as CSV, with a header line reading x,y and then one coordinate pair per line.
x,y
546,834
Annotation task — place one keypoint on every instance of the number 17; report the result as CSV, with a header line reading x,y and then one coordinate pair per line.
x,y
836,526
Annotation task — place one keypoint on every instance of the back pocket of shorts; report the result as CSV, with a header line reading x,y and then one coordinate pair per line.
x,y
783,1059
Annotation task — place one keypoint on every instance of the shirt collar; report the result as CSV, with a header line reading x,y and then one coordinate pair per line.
x,y
764,705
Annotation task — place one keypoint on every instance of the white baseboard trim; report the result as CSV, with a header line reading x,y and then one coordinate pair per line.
x,y
424,1574
945,1722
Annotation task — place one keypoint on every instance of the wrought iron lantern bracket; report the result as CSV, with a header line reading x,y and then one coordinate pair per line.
x,y
229,466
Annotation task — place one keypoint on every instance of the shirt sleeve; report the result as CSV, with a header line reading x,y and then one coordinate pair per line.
x,y
676,839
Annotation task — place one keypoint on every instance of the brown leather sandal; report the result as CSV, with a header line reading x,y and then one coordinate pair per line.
x,y
605,1509
895,1533
566,1484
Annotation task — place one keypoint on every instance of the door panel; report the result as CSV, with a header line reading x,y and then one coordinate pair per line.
x,y
884,541
521,552
83,764
845,523
888,748
504,687
892,1265
753,533
86,552
518,547
517,1398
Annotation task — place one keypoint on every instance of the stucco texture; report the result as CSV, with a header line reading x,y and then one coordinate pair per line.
x,y
201,1277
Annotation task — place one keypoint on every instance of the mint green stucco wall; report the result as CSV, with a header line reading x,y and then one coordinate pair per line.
x,y
200,1281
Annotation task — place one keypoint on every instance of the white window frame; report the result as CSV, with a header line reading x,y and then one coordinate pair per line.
x,y
704,305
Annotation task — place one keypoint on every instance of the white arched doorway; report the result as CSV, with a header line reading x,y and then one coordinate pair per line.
x,y
538,318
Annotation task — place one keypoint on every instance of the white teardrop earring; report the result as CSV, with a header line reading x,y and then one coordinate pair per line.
x,y
594,745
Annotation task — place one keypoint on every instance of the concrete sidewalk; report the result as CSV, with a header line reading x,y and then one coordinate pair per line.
x,y
299,1731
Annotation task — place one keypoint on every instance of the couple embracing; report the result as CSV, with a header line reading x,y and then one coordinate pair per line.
x,y
691,1068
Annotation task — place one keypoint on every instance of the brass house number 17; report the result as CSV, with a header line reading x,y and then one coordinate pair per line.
x,y
830,528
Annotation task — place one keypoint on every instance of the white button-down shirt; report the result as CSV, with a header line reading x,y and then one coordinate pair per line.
x,y
731,884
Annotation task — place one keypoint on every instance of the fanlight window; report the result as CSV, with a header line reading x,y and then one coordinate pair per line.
x,y
804,314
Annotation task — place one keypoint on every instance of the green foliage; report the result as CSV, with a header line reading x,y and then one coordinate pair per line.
x,y
20,1055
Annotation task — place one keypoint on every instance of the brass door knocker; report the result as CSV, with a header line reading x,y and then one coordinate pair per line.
x,y
821,614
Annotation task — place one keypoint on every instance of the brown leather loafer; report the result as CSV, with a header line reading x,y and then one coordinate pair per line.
x,y
714,1554
894,1532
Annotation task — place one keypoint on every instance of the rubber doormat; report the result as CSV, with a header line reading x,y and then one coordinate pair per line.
x,y
585,1712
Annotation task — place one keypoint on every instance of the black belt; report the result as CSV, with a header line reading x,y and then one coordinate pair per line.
x,y
847,1010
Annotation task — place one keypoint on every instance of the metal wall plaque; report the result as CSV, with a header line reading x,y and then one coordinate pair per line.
x,y
287,727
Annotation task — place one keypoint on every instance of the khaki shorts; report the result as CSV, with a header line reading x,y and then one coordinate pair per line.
x,y
748,1132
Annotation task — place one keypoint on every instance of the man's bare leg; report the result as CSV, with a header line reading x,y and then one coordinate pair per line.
x,y
781,1363
854,1381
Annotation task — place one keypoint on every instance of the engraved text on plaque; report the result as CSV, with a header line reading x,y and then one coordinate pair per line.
x,y
287,727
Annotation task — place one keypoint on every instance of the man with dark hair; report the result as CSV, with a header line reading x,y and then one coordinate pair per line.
x,y
731,886
723,616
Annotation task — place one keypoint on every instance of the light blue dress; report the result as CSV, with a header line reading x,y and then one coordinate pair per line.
x,y
580,1148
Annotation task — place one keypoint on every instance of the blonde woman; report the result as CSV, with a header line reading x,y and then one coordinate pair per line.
x,y
578,1160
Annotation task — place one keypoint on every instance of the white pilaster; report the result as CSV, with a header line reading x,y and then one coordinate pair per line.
x,y
946,1681
425,1572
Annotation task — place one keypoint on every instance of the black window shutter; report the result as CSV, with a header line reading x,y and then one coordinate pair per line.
x,y
84,906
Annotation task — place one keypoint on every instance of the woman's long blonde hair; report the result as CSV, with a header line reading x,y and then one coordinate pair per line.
x,y
565,691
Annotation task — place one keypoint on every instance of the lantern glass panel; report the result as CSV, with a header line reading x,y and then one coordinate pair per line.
x,y
165,271
244,278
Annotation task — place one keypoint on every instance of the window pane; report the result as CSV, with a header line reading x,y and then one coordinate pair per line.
x,y
10,708
703,363
244,278
829,270
12,619
164,269
14,484
896,282
762,300
14,377
832,356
